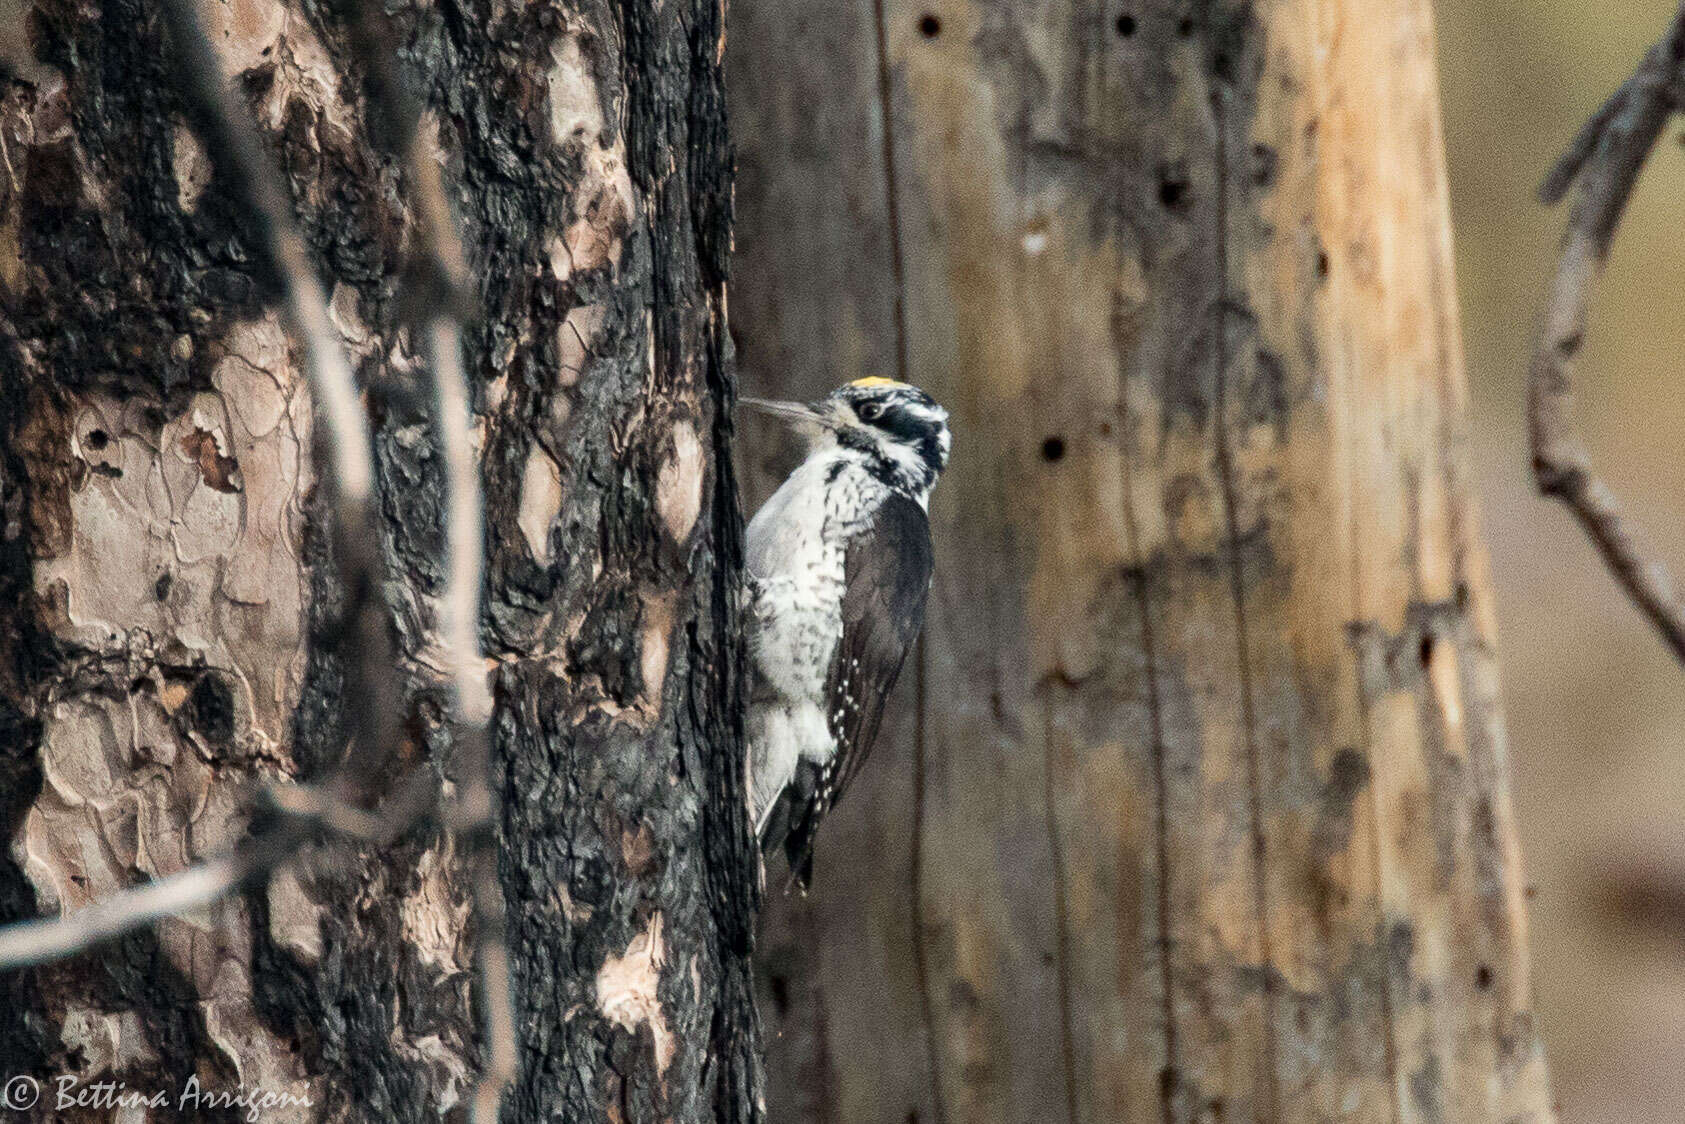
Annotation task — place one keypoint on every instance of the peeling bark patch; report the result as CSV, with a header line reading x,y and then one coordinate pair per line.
x,y
169,495
574,339
576,111
626,990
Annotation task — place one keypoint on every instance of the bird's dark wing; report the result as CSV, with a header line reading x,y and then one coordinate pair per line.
x,y
886,574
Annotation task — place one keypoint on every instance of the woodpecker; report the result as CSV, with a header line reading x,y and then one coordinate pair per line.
x,y
840,565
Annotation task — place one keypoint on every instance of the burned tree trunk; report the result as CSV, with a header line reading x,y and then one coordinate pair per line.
x,y
169,595
1195,808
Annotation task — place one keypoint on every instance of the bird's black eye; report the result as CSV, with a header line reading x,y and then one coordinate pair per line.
x,y
871,411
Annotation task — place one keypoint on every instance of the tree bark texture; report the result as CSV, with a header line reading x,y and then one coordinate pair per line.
x,y
1195,804
168,598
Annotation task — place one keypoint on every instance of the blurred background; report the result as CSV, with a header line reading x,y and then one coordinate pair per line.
x,y
1596,705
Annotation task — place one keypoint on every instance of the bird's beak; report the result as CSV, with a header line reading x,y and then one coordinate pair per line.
x,y
796,413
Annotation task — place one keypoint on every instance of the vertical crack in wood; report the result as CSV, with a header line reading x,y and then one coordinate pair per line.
x,y
1084,35
903,369
1155,724
1389,1040
915,890
1061,911
826,1093
892,201
1237,582
1383,959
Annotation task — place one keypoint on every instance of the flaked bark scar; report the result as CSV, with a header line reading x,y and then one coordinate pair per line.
x,y
655,638
596,237
435,916
295,919
191,166
1604,160
541,501
678,484
627,987
573,342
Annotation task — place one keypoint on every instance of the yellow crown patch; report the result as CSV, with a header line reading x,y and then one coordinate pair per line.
x,y
874,380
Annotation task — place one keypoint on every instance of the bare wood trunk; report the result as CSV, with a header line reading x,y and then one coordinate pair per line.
x,y
1196,805
168,596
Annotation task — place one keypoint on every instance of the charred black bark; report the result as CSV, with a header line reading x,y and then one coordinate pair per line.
x,y
587,155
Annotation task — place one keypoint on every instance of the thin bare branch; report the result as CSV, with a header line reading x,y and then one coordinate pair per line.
x,y
415,799
1604,160
475,813
498,1058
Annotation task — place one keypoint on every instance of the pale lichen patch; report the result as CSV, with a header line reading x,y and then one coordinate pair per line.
x,y
627,987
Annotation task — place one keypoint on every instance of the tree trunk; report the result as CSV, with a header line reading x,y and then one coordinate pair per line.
x,y
1195,806
168,593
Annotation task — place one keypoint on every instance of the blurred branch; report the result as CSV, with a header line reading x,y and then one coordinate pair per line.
x,y
1604,160
435,296
437,300
292,815
1643,895
36,942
